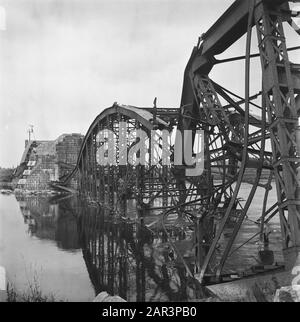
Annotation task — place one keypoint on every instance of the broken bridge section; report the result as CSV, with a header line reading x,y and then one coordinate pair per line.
x,y
45,162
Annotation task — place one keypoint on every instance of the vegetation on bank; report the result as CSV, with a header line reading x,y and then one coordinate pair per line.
x,y
6,174
32,294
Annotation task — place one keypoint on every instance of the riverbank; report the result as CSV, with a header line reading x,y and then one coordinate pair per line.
x,y
48,192
32,294
6,191
39,237
66,241
6,186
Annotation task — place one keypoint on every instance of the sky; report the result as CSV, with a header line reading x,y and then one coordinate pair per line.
x,y
63,61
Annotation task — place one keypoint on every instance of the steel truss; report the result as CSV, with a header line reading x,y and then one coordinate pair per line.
x,y
205,206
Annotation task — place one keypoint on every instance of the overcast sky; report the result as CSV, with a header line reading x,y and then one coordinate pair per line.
x,y
63,61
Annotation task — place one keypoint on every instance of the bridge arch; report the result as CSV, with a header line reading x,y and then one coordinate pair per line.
x,y
235,142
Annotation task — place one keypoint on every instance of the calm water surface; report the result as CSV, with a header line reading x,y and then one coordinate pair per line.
x,y
39,240
75,251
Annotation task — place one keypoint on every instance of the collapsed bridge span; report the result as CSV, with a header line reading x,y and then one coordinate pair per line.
x,y
205,205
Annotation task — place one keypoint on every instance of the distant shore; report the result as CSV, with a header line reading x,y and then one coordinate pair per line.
x,y
6,185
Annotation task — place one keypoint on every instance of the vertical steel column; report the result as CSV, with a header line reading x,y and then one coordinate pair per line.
x,y
90,168
85,160
110,257
101,174
109,173
81,175
94,166
279,93
164,175
87,169
139,182
122,168
97,165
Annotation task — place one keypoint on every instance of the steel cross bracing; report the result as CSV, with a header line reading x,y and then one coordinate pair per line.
x,y
121,258
278,101
207,208
279,94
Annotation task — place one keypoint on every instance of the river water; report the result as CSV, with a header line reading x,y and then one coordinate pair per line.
x,y
74,251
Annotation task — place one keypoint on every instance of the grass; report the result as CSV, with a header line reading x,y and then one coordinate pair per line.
x,y
6,175
32,294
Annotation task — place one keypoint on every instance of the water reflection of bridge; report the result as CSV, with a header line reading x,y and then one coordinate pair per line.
x,y
134,259
48,218
121,256
127,259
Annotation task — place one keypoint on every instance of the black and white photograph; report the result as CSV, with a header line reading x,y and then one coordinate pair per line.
x,y
149,153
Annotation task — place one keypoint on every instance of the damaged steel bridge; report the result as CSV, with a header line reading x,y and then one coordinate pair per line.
x,y
234,141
